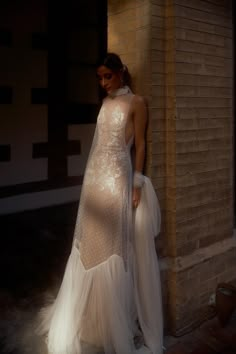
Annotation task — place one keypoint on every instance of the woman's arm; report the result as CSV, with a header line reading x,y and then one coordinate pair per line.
x,y
140,122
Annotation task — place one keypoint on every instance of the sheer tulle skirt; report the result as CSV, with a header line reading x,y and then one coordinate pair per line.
x,y
94,311
97,309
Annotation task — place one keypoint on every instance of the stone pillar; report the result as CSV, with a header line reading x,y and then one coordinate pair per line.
x,y
203,248
180,54
129,27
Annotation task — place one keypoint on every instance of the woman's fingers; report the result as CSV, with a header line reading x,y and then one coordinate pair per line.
x,y
135,203
136,197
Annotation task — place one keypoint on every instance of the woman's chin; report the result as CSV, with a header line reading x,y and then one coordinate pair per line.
x,y
109,91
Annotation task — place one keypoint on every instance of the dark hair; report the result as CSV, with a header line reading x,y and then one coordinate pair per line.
x,y
113,62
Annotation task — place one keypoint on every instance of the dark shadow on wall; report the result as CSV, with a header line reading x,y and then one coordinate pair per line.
x,y
35,246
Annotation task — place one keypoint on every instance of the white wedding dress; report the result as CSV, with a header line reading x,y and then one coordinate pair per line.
x,y
110,292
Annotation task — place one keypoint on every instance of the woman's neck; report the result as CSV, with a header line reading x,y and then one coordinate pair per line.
x,y
120,91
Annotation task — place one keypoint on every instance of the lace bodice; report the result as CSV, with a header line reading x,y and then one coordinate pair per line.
x,y
112,122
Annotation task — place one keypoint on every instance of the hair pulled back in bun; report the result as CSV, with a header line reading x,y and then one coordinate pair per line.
x,y
113,62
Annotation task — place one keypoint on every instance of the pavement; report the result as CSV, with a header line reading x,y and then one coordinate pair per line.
x,y
34,248
209,338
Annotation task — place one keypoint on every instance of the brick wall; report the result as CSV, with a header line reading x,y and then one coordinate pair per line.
x,y
161,132
199,164
180,53
203,123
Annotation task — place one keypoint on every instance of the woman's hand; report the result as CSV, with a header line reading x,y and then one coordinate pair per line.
x,y
136,196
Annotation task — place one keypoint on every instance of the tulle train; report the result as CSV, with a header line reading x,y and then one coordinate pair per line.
x,y
92,312
147,274
96,309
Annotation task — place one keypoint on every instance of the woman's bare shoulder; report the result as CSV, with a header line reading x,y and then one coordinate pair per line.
x,y
139,102
139,99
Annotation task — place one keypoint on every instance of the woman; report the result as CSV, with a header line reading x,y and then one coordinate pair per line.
x,y
108,298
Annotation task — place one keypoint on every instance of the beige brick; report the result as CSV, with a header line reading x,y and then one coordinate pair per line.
x,y
160,101
223,173
210,112
203,69
195,47
180,53
202,91
159,2
210,239
202,177
198,58
204,6
159,171
156,114
158,44
157,22
158,10
204,80
158,67
200,37
222,31
157,55
193,123
188,23
187,248
204,102
157,33
191,212
202,16
117,7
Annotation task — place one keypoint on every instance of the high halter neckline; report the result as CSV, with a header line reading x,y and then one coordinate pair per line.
x,y
120,91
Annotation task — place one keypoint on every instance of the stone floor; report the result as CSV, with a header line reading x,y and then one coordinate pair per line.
x,y
210,338
33,252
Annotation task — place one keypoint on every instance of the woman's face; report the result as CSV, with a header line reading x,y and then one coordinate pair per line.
x,y
108,79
